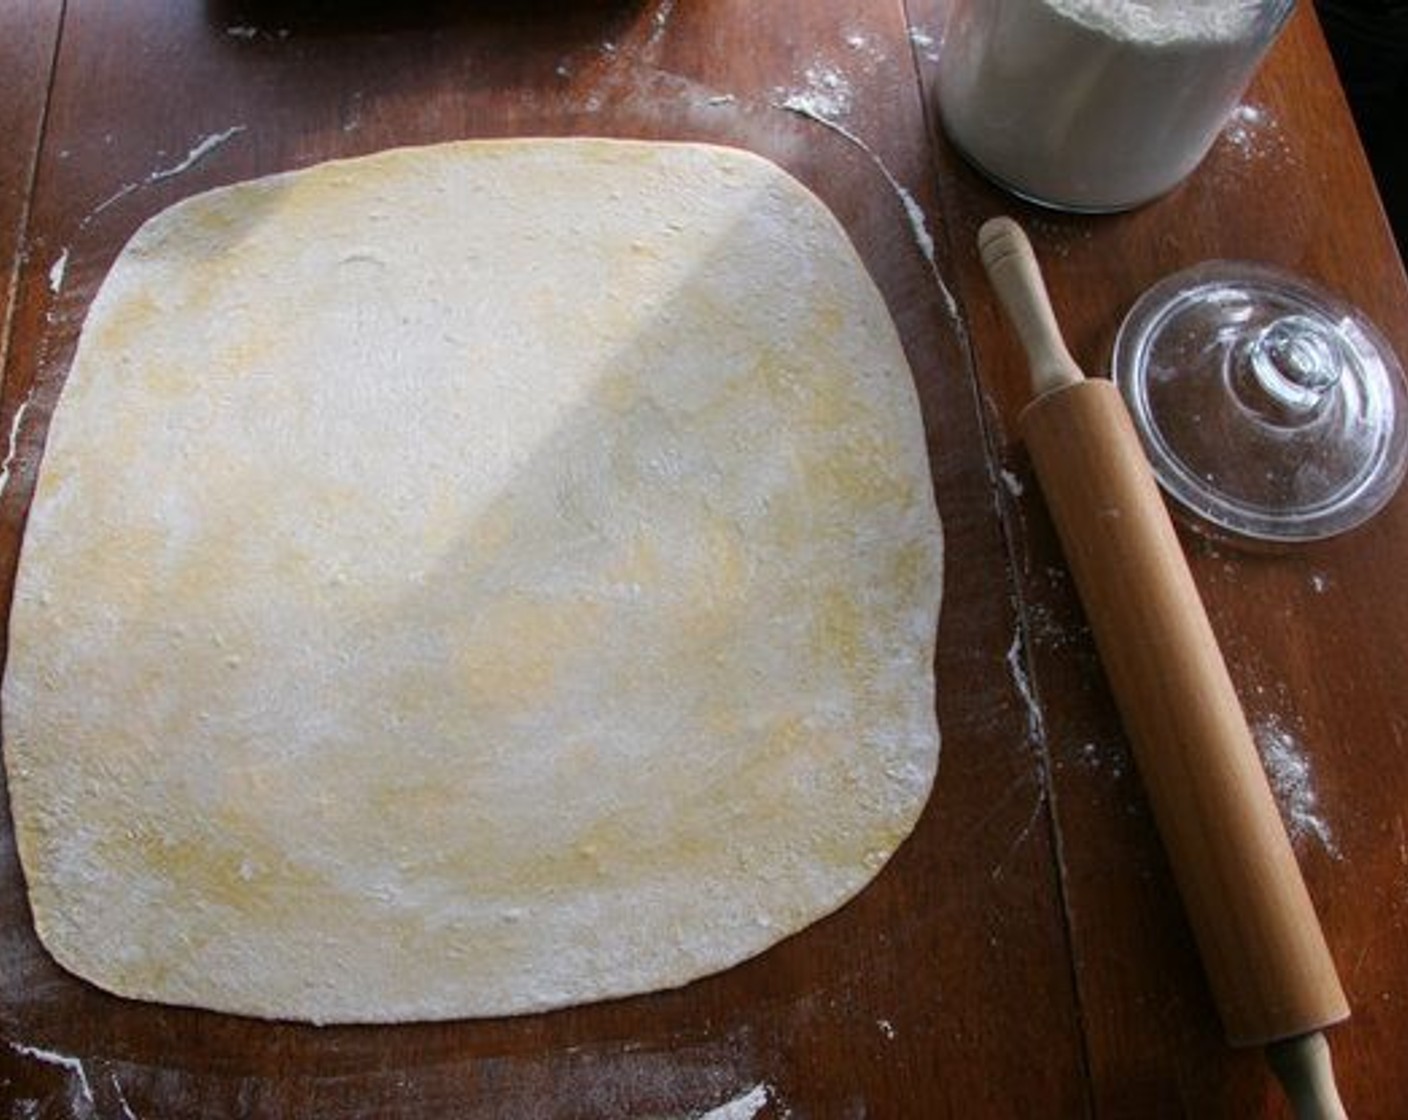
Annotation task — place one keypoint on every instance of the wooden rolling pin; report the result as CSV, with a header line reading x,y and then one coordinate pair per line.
x,y
1262,948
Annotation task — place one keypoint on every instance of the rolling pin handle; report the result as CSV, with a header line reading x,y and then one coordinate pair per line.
x,y
1302,1065
1012,267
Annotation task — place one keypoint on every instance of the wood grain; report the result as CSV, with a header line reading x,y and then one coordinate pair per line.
x,y
1314,637
931,993
29,34
1024,953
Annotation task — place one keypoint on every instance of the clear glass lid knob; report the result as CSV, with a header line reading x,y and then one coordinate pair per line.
x,y
1269,408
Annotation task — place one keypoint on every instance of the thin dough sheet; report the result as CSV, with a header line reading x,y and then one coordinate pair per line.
x,y
472,580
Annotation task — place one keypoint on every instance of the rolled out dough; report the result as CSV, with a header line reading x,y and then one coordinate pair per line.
x,y
471,580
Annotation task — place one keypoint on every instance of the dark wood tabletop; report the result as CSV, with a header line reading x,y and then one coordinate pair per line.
x,y
1024,953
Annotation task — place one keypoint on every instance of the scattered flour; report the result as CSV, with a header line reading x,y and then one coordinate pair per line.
x,y
127,1113
1253,133
826,94
743,1107
659,24
1109,760
927,44
56,272
887,1028
868,48
1016,666
1289,771
919,226
1012,483
1242,127
65,1061
202,148
12,447
352,115
917,221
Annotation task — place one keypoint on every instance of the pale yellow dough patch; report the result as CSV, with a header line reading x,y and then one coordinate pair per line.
x,y
471,580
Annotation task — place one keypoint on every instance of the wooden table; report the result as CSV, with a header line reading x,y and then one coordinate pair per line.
x,y
1024,954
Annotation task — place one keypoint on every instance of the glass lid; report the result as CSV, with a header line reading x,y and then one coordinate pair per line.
x,y
1269,408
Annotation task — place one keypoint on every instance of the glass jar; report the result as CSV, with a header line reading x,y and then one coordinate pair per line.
x,y
1097,105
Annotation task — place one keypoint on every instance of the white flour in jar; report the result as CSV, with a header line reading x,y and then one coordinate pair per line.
x,y
1096,104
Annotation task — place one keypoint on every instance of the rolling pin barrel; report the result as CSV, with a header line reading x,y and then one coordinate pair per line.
x,y
1261,944
1262,947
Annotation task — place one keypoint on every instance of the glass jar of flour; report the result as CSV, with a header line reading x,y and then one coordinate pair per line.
x,y
1097,105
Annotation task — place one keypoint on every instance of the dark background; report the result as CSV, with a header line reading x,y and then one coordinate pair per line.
x,y
1369,40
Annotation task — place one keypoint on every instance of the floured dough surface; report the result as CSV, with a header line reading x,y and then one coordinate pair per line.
x,y
471,580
